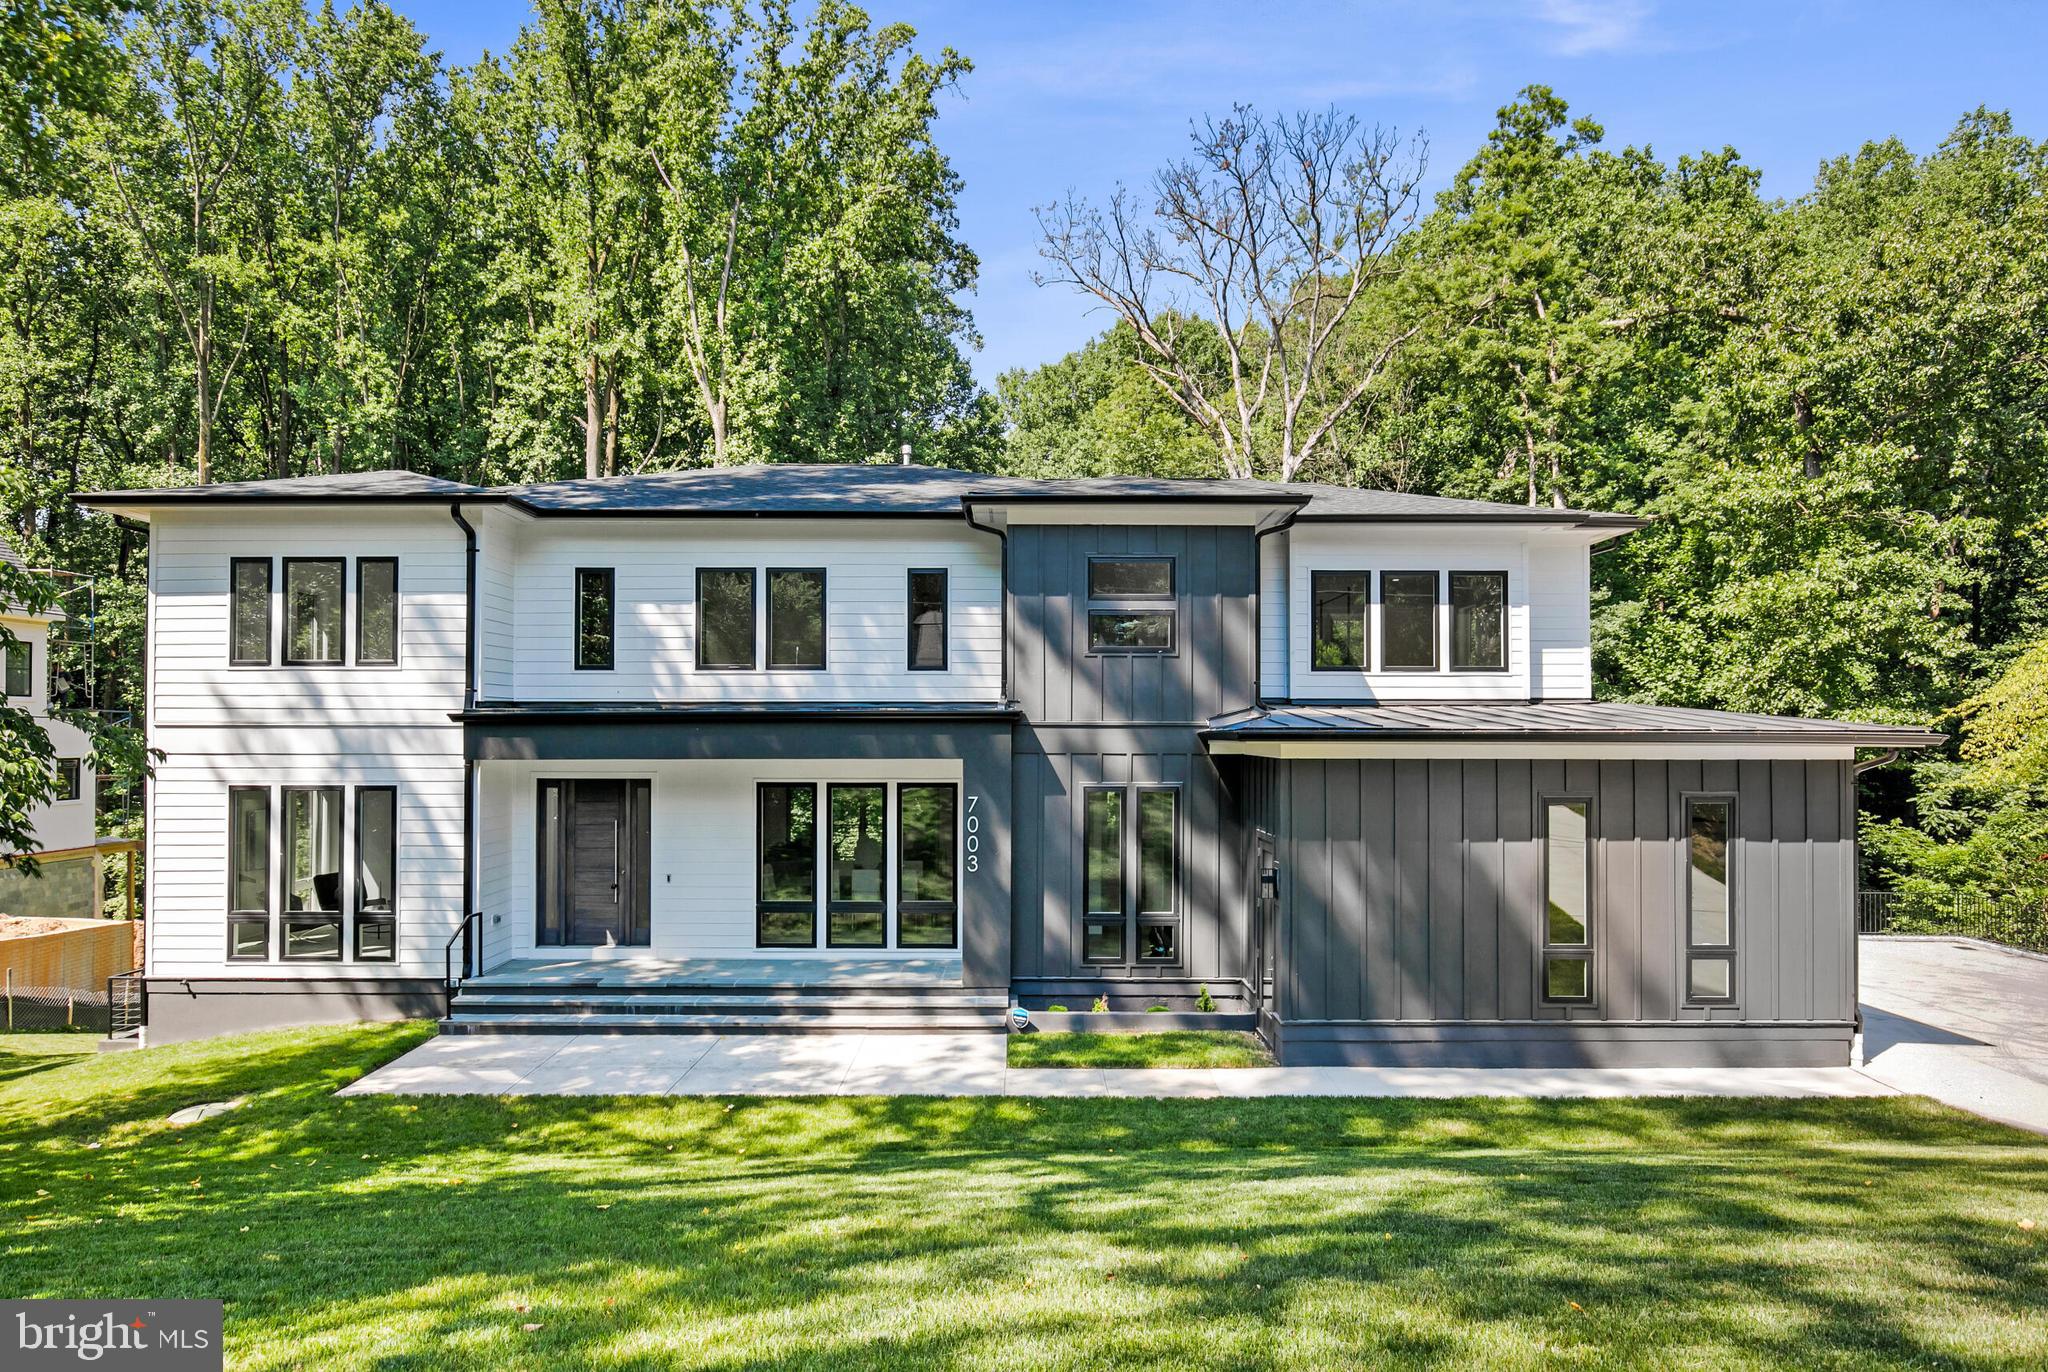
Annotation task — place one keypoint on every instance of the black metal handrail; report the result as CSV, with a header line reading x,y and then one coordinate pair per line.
x,y
127,1003
470,953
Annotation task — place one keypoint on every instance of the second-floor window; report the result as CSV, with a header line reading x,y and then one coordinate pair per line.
x,y
67,779
1479,621
315,611
594,618
1337,606
377,611
1408,621
1130,605
796,617
21,669
725,617
249,581
928,619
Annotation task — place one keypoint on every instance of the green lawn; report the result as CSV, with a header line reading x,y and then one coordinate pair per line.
x,y
1171,1048
1012,1233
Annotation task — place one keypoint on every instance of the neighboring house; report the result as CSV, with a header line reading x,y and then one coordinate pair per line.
x,y
778,747
67,884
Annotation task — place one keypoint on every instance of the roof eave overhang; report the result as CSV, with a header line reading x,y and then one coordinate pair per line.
x,y
1612,525
609,713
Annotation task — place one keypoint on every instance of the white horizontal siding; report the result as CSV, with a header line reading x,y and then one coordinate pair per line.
x,y
61,823
192,682
866,566
702,888
188,849
496,613
1273,615
1560,620
1373,548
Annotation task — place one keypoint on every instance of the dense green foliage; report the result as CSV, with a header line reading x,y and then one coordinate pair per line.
x,y
996,1233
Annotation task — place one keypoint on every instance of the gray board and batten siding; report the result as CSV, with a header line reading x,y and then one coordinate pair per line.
x,y
1127,720
1412,898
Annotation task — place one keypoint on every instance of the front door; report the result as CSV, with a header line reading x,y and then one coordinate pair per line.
x,y
594,863
1265,921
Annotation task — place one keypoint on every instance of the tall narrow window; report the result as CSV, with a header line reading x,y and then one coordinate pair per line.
x,y
1710,912
67,779
1568,885
376,873
927,897
312,872
248,873
1408,621
596,617
928,620
1115,626
1337,612
1158,874
21,669
796,618
377,611
1102,845
315,611
856,910
1479,621
249,611
725,617
786,884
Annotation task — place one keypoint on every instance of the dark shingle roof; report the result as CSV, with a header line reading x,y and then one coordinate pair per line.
x,y
11,557
849,489
1556,721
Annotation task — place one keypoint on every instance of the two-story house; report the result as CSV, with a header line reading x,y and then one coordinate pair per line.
x,y
65,883
798,746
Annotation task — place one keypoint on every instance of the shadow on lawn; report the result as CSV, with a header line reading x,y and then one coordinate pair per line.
x,y
920,1232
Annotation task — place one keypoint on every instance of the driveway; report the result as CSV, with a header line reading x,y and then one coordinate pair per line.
x,y
1962,1022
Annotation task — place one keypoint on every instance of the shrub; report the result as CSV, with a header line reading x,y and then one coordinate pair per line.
x,y
1056,1010
1101,1006
1205,1002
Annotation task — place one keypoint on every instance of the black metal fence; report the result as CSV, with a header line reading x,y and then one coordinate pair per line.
x,y
54,1007
2012,920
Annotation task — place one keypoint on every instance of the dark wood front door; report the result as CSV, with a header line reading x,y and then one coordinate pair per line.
x,y
594,868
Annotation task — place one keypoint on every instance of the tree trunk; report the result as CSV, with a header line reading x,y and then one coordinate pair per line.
x,y
718,437
593,420
203,451
1802,420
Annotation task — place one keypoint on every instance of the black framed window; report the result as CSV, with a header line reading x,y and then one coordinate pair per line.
x,y
725,617
927,614
796,617
1132,620
927,879
249,611
376,873
312,873
1479,621
1408,621
596,618
67,778
377,611
786,871
315,611
1158,874
1568,899
1337,615
21,669
1102,904
1130,578
1709,900
248,873
857,860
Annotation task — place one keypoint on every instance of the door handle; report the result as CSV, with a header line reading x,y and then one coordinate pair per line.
x,y
618,863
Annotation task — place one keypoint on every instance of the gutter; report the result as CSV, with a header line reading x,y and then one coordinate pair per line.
x,y
469,886
967,513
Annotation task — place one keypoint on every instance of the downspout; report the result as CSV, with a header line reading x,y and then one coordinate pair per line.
x,y
468,704
1259,609
967,512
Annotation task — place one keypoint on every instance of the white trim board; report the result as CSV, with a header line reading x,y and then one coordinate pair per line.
x,y
1349,748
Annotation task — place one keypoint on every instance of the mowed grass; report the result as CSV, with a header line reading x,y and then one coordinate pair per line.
x,y
1170,1048
1014,1233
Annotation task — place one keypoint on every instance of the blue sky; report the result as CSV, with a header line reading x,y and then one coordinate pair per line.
x,y
1085,93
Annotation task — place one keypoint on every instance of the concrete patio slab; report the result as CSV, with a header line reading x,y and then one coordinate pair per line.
x,y
1962,1021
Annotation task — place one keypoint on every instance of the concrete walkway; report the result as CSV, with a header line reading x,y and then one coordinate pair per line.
x,y
1966,1023
977,1065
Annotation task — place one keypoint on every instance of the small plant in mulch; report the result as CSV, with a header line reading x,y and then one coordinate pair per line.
x,y
1205,1002
1101,1006
1056,1010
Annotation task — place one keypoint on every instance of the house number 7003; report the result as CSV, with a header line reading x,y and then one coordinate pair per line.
x,y
973,835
